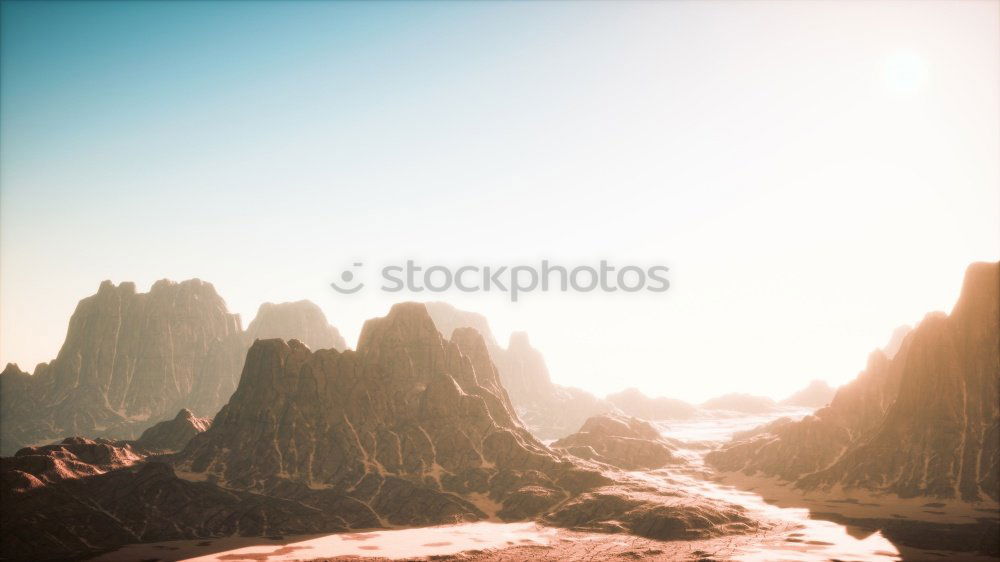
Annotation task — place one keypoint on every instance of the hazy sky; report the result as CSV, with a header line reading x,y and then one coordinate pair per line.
x,y
815,174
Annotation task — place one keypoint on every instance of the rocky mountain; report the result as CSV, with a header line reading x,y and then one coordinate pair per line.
x,y
301,320
128,359
549,410
133,359
816,395
743,403
896,340
634,403
925,422
174,435
624,442
410,429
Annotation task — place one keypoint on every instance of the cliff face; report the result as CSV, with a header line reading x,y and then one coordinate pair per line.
x,y
549,410
128,360
924,423
408,411
133,359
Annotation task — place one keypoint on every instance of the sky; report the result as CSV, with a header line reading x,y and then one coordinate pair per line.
x,y
814,174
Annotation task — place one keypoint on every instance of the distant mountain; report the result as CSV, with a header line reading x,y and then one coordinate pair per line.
x,y
634,403
410,429
925,422
301,320
743,403
133,359
174,435
816,395
549,410
621,441
896,340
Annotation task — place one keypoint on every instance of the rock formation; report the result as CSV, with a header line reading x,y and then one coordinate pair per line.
x,y
816,395
133,359
174,435
742,403
634,403
409,429
83,496
301,320
549,410
924,423
896,340
129,360
624,442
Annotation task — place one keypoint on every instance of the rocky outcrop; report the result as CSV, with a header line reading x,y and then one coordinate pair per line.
x,y
816,395
409,429
924,423
624,442
84,496
301,320
174,435
550,411
742,403
408,415
131,360
634,403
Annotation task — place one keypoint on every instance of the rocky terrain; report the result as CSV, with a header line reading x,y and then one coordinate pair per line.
x,y
624,442
410,429
816,395
133,359
173,435
634,403
549,410
924,422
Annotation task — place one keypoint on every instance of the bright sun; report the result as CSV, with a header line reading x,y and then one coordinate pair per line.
x,y
904,72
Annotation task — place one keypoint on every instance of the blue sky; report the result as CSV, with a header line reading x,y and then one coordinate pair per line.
x,y
814,173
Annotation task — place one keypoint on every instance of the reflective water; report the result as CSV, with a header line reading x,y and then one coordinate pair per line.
x,y
803,538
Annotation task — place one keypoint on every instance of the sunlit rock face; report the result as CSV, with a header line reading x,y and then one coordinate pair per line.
x,y
128,361
133,359
174,435
620,441
816,395
549,411
634,403
395,424
924,423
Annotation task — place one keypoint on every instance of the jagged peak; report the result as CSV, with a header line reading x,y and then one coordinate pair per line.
x,y
409,319
12,370
980,289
